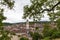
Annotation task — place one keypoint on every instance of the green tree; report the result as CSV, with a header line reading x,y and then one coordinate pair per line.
x,y
24,38
9,4
50,33
36,36
38,8
47,31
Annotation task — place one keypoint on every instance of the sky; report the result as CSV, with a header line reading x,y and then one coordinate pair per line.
x,y
15,15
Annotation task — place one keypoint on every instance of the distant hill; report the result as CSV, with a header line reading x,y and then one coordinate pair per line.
x,y
6,24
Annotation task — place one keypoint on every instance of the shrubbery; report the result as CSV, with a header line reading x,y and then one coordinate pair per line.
x,y
35,35
52,33
47,38
56,34
24,38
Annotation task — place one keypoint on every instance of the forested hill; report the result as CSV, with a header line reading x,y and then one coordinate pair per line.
x,y
6,24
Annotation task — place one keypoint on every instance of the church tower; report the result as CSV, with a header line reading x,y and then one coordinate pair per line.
x,y
27,26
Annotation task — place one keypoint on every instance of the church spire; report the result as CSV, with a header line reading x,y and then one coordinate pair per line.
x,y
27,24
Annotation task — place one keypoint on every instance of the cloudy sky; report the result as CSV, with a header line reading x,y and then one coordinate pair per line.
x,y
15,15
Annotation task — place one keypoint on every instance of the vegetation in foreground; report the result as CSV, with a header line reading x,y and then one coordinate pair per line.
x,y
36,11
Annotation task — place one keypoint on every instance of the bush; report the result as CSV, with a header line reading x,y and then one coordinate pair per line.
x,y
48,33
31,33
56,34
36,35
52,33
24,38
47,38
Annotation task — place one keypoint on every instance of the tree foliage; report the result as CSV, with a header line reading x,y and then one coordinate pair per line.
x,y
36,35
38,8
24,38
4,33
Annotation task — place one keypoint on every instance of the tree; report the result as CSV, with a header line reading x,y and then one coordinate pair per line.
x,y
36,35
9,4
38,7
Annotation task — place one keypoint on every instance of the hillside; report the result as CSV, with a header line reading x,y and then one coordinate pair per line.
x,y
6,24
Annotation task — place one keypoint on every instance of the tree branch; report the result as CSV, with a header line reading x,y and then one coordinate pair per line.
x,y
51,8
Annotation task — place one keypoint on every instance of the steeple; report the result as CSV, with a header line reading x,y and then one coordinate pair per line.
x,y
27,26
